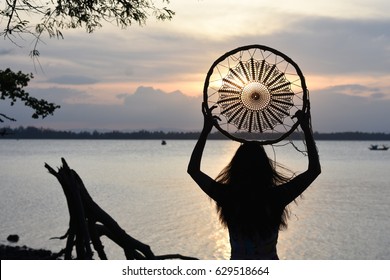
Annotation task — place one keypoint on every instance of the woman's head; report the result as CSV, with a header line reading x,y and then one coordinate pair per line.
x,y
250,165
251,161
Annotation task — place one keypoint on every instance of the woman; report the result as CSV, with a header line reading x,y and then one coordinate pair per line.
x,y
250,194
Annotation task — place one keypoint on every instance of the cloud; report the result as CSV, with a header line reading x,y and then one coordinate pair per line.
x,y
164,53
5,51
378,95
153,109
72,80
147,108
349,52
335,111
345,45
60,95
355,89
331,46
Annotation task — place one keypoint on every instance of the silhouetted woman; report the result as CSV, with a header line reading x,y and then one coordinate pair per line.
x,y
250,194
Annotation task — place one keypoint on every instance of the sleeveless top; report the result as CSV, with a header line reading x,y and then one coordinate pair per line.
x,y
256,246
253,247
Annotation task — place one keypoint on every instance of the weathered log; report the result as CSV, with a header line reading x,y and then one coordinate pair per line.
x,y
88,222
78,233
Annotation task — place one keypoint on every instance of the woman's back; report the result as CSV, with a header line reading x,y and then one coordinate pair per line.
x,y
253,219
251,196
253,246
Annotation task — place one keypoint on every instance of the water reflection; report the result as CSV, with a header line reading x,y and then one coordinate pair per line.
x,y
145,187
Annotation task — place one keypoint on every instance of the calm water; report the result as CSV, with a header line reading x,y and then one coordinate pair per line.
x,y
144,186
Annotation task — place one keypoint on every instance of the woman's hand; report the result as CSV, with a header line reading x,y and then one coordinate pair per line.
x,y
209,119
304,118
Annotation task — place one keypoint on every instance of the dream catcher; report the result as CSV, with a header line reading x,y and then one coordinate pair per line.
x,y
255,91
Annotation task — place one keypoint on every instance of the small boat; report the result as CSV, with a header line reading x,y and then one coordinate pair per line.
x,y
163,142
378,148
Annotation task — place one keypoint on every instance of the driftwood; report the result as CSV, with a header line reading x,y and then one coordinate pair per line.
x,y
88,222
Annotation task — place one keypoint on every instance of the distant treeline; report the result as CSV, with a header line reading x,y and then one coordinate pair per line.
x,y
44,133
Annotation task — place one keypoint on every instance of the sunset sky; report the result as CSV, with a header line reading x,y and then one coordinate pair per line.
x,y
151,77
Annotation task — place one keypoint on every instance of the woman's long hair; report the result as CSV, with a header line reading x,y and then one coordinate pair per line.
x,y
248,202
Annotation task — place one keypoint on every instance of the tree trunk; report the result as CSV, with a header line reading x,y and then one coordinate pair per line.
x,y
88,222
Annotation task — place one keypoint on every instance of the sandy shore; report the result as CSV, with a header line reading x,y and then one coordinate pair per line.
x,y
8,252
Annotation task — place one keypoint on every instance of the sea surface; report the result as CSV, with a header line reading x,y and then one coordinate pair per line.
x,y
143,185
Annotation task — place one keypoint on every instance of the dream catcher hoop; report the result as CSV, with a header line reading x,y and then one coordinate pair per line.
x,y
256,91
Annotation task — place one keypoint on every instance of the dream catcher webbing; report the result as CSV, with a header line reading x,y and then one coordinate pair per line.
x,y
256,91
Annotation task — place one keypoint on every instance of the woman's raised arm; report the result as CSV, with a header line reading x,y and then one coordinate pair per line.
x,y
203,180
299,184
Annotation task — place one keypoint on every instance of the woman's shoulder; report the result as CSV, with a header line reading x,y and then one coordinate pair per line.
x,y
220,192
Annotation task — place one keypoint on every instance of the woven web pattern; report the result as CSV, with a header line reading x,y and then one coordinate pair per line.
x,y
256,91
255,96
